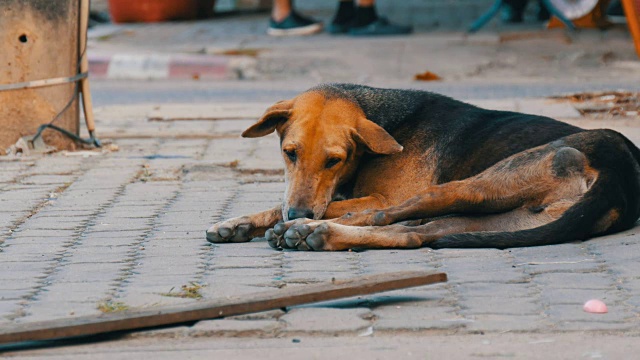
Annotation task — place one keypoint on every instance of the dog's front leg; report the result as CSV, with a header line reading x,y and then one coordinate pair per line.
x,y
277,239
244,228
337,209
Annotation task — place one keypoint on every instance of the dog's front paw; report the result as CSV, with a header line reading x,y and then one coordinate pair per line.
x,y
280,236
301,234
275,236
233,230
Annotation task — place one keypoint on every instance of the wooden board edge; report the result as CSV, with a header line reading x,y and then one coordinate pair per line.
x,y
263,301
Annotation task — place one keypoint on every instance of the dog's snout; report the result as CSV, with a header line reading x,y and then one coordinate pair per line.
x,y
297,213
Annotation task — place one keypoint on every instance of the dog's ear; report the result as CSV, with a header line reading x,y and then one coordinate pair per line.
x,y
375,138
275,115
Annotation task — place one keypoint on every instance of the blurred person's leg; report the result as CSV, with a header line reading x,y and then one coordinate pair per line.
x,y
543,13
286,21
615,9
343,18
362,19
513,11
365,13
281,10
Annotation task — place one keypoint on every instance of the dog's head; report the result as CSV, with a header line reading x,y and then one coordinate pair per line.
x,y
321,139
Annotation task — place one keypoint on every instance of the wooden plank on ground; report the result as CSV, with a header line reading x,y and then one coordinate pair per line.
x,y
267,300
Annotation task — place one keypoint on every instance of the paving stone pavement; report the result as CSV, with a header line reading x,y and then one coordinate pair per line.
x,y
82,233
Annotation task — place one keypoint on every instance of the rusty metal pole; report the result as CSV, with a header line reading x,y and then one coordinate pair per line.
x,y
38,41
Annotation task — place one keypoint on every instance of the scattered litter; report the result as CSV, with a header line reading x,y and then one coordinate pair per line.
x,y
427,76
240,52
160,156
542,341
367,332
554,262
595,306
20,147
112,306
245,67
105,149
295,341
191,291
605,104
25,146
83,153
592,355
110,147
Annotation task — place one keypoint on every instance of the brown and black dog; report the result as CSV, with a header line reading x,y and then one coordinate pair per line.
x,y
404,169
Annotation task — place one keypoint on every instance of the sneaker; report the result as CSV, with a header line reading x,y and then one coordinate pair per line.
x,y
379,27
338,28
615,13
510,15
294,24
543,13
513,11
615,9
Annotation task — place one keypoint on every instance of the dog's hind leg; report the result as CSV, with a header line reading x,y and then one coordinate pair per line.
x,y
532,178
523,192
330,236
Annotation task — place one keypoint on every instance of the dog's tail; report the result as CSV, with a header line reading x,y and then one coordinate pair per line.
x,y
576,223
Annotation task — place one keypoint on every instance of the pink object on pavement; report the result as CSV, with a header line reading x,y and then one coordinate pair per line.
x,y
595,306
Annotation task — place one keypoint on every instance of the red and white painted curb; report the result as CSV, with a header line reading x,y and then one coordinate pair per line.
x,y
170,66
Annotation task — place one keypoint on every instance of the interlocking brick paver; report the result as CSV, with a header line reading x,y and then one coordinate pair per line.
x,y
505,323
569,280
235,327
578,297
398,317
617,313
499,306
491,290
326,320
129,226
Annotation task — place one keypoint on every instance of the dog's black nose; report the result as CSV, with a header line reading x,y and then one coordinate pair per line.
x,y
295,213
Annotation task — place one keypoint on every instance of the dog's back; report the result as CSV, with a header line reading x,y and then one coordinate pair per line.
x,y
468,140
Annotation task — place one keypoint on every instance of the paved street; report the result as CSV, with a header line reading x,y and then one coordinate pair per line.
x,y
92,232
125,229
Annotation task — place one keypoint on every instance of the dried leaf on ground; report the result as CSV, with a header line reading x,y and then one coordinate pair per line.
x,y
112,306
242,52
191,291
427,76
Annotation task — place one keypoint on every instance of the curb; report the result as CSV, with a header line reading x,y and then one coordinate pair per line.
x,y
167,66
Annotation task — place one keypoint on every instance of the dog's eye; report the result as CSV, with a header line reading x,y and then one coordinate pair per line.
x,y
332,162
291,154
